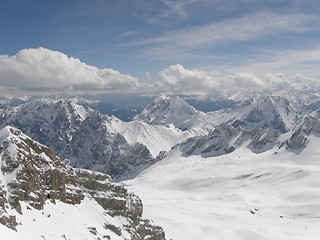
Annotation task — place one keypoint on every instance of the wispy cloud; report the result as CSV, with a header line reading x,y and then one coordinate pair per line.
x,y
125,34
121,36
253,27
173,8
289,61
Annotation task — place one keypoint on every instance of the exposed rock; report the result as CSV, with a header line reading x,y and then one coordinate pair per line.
x,y
33,174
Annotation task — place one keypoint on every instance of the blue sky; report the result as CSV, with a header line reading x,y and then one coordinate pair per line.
x,y
151,39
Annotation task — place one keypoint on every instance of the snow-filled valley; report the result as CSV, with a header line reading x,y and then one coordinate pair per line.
x,y
238,196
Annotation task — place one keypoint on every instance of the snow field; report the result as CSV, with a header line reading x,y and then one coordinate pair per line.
x,y
239,196
62,221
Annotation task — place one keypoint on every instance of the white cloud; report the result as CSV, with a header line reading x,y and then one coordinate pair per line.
x,y
148,76
301,80
44,69
180,79
177,77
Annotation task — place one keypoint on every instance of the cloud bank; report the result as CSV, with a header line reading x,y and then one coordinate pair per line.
x,y
45,71
180,79
42,69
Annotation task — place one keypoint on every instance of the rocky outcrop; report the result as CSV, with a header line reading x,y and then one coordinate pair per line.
x,y
31,172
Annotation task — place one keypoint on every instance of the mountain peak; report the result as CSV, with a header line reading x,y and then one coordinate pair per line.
x,y
268,112
168,110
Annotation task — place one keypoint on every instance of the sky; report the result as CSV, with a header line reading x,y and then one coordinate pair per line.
x,y
130,45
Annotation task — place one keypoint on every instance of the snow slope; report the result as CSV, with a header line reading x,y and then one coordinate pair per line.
x,y
156,138
238,196
63,221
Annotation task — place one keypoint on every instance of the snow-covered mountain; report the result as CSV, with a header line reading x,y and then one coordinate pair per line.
x,y
97,146
51,122
168,110
269,112
256,123
266,122
89,139
42,198
80,134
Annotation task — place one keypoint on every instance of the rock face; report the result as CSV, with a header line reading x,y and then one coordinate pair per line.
x,y
95,145
31,173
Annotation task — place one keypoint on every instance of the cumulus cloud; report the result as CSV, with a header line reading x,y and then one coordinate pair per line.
x,y
47,70
180,79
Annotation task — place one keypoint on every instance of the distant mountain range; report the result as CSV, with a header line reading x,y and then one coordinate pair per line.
x,y
89,139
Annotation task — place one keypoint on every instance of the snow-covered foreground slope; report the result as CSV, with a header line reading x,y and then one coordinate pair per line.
x,y
238,196
63,221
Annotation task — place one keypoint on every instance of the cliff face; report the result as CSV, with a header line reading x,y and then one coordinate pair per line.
x,y
32,174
